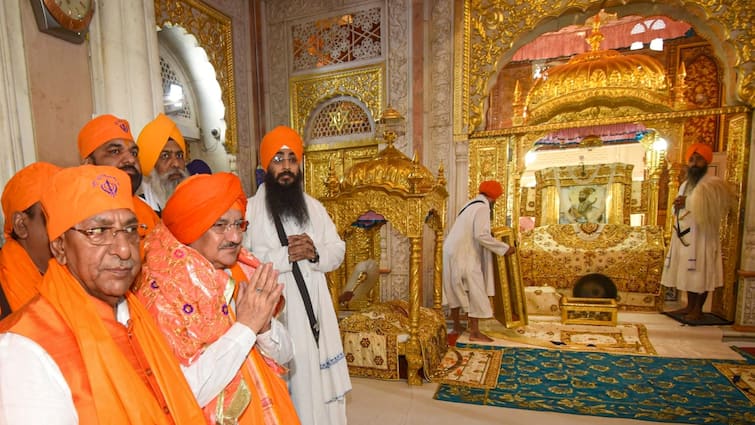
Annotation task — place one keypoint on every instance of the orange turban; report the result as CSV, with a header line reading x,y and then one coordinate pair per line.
x,y
25,189
277,139
78,193
199,202
701,148
153,138
101,130
491,188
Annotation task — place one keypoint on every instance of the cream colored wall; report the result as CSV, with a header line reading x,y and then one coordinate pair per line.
x,y
61,94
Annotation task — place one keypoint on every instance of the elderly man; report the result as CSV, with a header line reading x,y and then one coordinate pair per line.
x,y
293,230
24,257
694,263
85,350
194,265
161,149
468,263
107,140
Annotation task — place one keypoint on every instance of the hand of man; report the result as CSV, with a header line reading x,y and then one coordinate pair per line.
x,y
511,250
256,301
680,202
301,247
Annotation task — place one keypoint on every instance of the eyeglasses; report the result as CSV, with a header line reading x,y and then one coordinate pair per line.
x,y
279,158
222,227
105,235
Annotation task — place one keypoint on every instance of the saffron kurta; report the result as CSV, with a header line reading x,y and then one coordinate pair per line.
x,y
318,377
467,260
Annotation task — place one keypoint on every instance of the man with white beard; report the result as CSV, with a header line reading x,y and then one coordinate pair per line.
x,y
161,149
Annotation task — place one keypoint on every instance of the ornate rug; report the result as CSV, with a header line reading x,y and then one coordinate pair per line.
x,y
648,388
629,338
472,367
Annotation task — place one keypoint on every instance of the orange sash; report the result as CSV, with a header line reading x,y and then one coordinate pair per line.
x,y
120,395
19,276
185,294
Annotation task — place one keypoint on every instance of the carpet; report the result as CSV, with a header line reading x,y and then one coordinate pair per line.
x,y
708,319
631,338
472,367
648,388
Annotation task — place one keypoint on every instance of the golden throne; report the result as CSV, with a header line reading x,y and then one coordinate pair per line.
x,y
408,196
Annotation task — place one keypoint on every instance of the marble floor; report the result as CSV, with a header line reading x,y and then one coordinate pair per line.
x,y
374,402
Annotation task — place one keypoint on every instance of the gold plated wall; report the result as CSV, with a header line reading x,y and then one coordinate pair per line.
x,y
213,31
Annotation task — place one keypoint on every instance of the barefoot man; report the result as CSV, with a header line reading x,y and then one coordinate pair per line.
x,y
468,263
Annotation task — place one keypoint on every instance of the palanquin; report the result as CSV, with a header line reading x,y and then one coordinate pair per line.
x,y
557,255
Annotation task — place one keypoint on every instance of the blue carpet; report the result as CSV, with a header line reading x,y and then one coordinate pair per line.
x,y
612,385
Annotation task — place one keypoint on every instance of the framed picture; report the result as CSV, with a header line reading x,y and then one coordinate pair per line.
x,y
509,305
582,204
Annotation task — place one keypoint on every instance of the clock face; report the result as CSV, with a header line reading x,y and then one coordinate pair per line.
x,y
71,14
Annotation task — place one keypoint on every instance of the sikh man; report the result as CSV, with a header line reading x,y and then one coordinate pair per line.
x,y
24,257
694,262
162,155
107,140
85,350
303,246
468,262
194,265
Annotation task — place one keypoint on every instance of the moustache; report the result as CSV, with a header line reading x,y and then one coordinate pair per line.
x,y
286,173
130,169
232,245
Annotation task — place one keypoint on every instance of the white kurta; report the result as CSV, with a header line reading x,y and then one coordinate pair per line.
x,y
318,377
698,266
468,262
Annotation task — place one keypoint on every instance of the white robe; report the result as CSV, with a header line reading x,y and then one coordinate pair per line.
x,y
318,378
468,263
698,267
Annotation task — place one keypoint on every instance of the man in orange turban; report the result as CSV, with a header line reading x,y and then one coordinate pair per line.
x,y
694,263
162,155
24,257
468,262
229,347
85,350
107,140
307,245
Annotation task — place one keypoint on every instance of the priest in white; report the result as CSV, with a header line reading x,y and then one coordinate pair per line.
x,y
306,243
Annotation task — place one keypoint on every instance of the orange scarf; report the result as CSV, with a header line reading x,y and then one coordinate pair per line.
x,y
19,276
121,396
185,293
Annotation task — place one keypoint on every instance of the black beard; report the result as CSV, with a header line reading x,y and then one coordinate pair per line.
x,y
694,174
286,201
134,175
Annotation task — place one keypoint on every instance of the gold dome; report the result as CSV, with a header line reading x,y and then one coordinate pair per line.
x,y
605,76
390,169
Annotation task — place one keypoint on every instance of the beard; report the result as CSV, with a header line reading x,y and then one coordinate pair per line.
x,y
135,176
694,174
286,200
163,186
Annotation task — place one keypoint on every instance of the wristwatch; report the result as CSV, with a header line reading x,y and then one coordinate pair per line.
x,y
317,257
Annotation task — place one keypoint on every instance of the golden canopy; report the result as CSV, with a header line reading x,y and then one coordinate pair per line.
x,y
389,169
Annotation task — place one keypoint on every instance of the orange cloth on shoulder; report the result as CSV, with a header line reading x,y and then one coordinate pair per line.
x,y
198,203
701,148
25,189
78,193
153,138
19,276
101,130
491,188
275,140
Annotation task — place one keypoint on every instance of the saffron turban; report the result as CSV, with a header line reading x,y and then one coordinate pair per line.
x,y
491,188
278,138
77,193
101,130
153,138
701,148
199,202
25,189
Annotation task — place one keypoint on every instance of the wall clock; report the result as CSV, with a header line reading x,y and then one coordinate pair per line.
x,y
66,19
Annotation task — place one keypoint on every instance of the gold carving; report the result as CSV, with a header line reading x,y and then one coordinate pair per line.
x,y
213,31
308,91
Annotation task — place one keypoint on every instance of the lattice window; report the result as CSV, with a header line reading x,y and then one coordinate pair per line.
x,y
337,39
170,82
340,117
